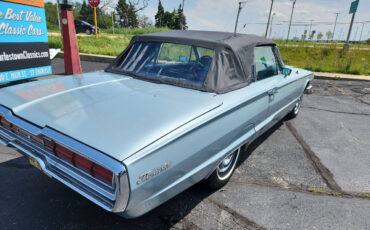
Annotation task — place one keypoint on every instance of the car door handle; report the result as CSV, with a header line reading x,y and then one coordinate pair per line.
x,y
272,92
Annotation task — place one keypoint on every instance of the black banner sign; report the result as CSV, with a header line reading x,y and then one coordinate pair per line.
x,y
14,56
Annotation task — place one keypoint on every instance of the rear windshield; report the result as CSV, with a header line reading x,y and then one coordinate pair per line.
x,y
168,60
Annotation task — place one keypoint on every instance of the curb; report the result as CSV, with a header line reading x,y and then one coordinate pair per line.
x,y
342,77
92,57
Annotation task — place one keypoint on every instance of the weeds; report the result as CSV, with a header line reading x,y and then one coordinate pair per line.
x,y
319,58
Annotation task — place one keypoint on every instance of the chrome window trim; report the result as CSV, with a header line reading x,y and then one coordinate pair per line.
x,y
112,198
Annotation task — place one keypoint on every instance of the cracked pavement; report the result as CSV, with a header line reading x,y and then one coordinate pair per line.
x,y
311,172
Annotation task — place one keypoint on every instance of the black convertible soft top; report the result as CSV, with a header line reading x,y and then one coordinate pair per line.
x,y
233,60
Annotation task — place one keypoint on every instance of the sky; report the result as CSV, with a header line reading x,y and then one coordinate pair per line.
x,y
220,15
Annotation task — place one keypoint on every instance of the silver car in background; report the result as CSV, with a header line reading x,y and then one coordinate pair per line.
x,y
173,109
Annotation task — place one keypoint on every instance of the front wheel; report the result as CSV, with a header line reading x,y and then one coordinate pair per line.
x,y
88,32
224,170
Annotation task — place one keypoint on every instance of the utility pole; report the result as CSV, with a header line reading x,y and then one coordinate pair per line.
x,y
182,18
60,28
354,38
291,17
272,19
268,21
309,33
340,34
335,23
310,27
113,21
237,16
363,23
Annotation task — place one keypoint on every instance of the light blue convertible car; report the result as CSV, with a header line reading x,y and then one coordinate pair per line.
x,y
173,109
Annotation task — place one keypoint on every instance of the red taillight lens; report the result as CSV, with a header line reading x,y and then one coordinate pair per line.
x,y
49,144
83,163
64,153
102,174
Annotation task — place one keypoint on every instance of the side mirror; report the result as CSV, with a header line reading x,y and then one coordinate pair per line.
x,y
286,71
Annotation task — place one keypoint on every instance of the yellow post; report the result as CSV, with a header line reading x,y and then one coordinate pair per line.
x,y
96,23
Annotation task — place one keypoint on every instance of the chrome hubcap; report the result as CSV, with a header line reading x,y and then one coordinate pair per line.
x,y
297,106
226,167
225,164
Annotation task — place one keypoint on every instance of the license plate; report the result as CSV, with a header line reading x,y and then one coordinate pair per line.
x,y
36,164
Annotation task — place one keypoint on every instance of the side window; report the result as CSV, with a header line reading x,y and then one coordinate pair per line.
x,y
265,62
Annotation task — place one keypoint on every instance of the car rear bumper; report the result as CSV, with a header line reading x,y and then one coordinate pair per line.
x,y
112,198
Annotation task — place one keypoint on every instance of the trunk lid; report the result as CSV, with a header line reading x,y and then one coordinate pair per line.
x,y
115,114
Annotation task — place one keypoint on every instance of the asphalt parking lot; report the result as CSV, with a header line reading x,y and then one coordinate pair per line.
x,y
312,172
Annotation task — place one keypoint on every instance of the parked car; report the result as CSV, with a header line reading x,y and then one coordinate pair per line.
x,y
85,27
175,108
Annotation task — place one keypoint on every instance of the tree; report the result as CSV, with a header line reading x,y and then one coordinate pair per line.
x,y
319,36
145,22
159,16
133,21
180,17
172,19
169,19
122,10
128,11
304,35
51,14
312,35
329,35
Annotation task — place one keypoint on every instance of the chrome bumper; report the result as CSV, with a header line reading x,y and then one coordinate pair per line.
x,y
111,198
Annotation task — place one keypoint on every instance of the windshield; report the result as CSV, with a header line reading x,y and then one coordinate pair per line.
x,y
168,60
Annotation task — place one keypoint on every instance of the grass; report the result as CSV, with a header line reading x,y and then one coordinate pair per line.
x,y
133,31
318,44
323,59
105,45
316,57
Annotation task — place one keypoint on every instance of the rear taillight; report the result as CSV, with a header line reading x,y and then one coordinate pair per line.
x,y
80,162
65,154
83,163
102,174
49,144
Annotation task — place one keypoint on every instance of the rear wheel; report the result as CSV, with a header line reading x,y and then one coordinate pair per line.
x,y
296,108
224,170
